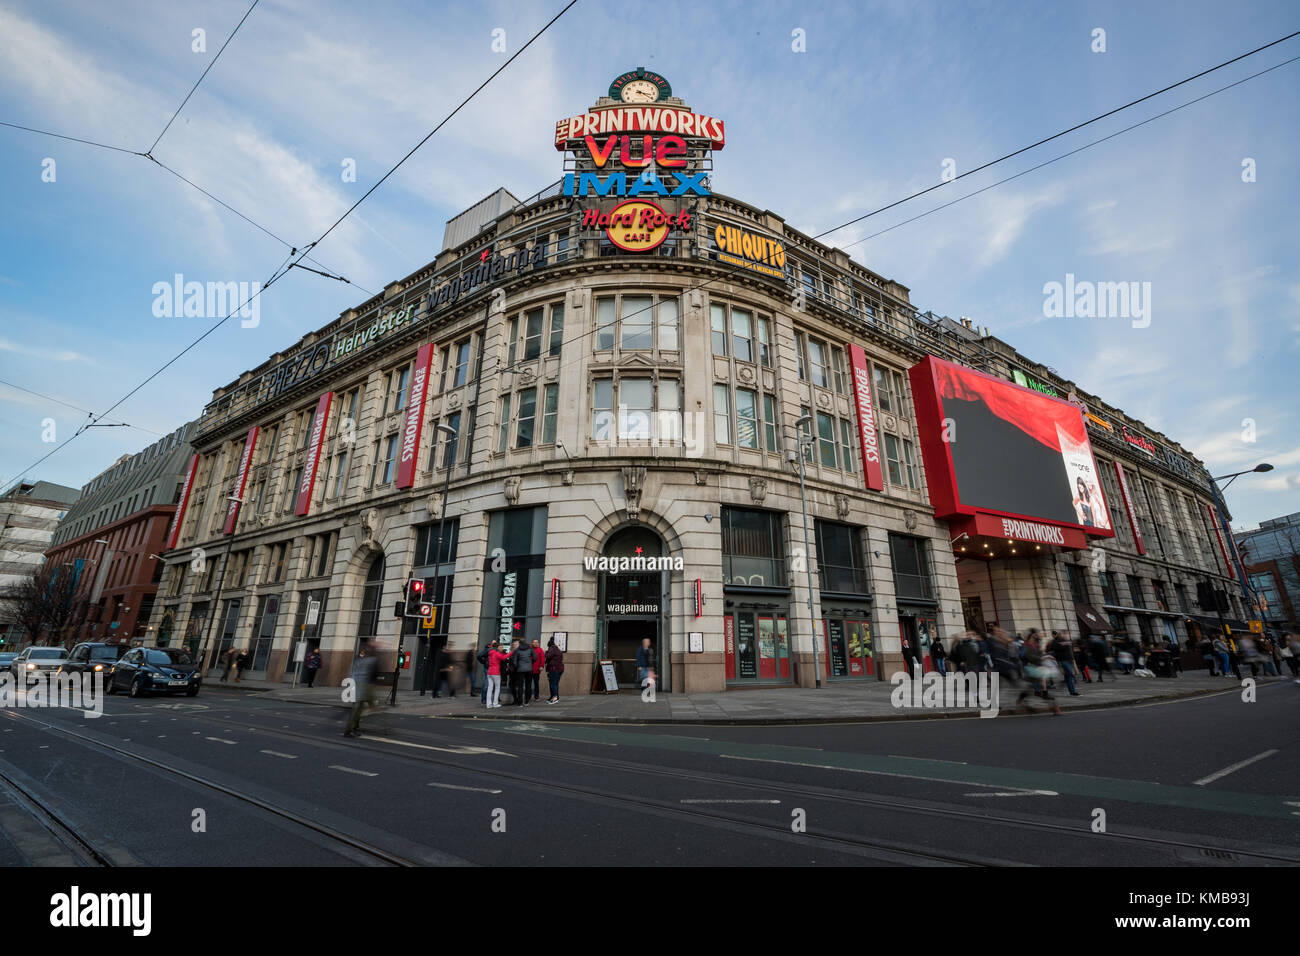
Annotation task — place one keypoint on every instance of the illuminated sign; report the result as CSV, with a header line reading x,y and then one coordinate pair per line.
x,y
1032,531
489,269
616,184
750,251
414,422
179,516
1128,506
666,152
638,119
241,478
1100,423
871,471
308,483
1145,445
636,225
1024,381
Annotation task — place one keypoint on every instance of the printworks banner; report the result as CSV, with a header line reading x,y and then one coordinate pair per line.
x,y
174,531
414,423
308,483
241,479
871,470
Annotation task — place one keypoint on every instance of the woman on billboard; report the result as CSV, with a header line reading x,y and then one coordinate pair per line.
x,y
1084,505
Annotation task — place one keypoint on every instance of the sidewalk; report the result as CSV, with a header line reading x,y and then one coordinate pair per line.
x,y
837,702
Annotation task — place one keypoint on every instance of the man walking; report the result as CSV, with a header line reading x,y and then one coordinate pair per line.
x,y
1062,648
521,680
363,677
645,660
311,664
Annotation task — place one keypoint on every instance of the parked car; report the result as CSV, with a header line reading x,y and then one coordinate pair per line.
x,y
7,658
147,670
33,662
93,658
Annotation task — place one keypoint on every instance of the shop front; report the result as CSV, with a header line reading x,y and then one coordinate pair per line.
x,y
847,641
633,605
757,642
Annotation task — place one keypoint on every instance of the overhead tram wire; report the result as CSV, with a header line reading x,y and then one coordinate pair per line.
x,y
57,401
283,270
1064,132
728,271
1072,152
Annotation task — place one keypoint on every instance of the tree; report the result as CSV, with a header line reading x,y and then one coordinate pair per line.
x,y
43,605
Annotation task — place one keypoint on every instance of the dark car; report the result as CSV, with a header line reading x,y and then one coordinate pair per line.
x,y
147,670
34,662
7,658
93,658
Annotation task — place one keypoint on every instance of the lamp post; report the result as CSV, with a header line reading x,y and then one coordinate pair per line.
x,y
803,497
1221,508
437,552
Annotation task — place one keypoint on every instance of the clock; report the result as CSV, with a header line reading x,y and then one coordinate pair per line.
x,y
640,86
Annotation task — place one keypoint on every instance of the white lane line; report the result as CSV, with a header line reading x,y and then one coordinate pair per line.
x,y
875,773
1016,793
221,740
446,750
276,753
452,786
729,801
1235,767
364,773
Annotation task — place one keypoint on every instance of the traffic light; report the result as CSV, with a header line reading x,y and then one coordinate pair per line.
x,y
414,596
403,660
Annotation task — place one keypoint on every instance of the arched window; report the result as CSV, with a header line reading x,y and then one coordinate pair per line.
x,y
372,598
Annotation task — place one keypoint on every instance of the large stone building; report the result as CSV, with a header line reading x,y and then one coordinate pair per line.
x,y
586,418
29,513
111,540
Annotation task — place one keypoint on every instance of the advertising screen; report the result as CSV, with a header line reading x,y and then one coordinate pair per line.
x,y
992,446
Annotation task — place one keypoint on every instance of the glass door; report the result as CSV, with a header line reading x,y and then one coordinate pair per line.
x,y
773,647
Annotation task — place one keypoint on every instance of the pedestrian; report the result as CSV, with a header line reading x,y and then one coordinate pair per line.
x,y
1098,651
1208,655
1037,671
1125,660
554,669
483,662
363,684
241,664
538,656
1234,658
1291,653
645,660
1081,661
229,657
311,664
492,688
1062,648
939,656
1270,662
521,671
1221,652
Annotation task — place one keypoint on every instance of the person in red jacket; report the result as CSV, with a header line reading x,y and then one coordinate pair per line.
x,y
495,661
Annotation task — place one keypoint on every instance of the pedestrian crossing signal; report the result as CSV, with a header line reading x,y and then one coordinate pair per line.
x,y
404,660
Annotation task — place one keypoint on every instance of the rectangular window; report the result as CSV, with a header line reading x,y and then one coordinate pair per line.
x,y
881,376
1078,586
668,324
512,337
527,417
1109,590
721,414
449,442
670,411
826,439
746,418
910,463
799,346
604,324
532,334
340,474
894,460
846,445
840,565
837,363
397,381
446,353
1135,589
503,430
602,409
635,407
806,445
751,548
462,364
900,396
557,329
637,323
385,463
911,567
764,342
742,334
718,327
769,422
550,410
291,490
817,362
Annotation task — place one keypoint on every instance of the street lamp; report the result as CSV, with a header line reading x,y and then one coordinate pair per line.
x,y
1262,466
1221,508
803,497
437,553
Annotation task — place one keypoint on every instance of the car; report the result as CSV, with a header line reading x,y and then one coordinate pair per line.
x,y
33,662
150,670
7,658
93,658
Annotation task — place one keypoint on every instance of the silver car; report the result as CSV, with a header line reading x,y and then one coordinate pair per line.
x,y
36,662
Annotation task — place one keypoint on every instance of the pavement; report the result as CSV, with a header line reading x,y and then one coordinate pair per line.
x,y
834,702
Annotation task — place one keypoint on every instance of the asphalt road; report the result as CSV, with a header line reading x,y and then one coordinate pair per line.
x,y
230,778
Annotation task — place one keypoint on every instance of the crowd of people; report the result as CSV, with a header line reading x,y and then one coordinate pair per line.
x,y
1265,655
523,665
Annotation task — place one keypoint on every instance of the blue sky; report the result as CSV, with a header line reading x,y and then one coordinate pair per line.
x,y
884,93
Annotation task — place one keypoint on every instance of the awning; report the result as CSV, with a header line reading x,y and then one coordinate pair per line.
x,y
1093,621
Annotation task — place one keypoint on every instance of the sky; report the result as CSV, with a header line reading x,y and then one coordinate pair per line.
x,y
832,110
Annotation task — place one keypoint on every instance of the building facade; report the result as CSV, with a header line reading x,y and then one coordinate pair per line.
x,y
598,415
1271,554
112,539
29,513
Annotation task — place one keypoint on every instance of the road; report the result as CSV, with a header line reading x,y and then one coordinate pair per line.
x,y
232,778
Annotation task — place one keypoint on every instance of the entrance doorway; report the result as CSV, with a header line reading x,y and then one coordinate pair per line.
x,y
633,605
625,637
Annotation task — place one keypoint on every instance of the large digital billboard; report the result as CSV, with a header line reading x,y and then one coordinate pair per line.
x,y
993,447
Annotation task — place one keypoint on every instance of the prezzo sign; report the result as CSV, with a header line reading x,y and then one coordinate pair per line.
x,y
414,422
636,225
181,505
308,482
241,478
872,473
1128,507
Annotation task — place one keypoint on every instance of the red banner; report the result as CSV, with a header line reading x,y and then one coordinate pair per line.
x,y
871,471
729,626
1214,520
232,511
1128,506
308,483
414,423
174,531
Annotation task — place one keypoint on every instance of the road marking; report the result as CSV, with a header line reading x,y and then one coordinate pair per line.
x,y
729,801
1016,793
220,740
1236,766
364,773
877,773
446,750
276,753
452,786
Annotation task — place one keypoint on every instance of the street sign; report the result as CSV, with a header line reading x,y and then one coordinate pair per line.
x,y
313,612
430,619
300,652
1256,627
